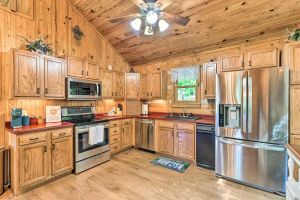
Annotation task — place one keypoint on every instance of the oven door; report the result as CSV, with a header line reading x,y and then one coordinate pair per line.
x,y
83,149
78,89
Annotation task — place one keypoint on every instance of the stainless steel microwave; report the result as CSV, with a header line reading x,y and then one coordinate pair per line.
x,y
79,89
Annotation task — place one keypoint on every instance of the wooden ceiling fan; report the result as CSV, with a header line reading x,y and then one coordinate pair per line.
x,y
151,16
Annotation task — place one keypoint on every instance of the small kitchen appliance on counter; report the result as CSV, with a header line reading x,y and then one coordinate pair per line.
x,y
16,118
145,109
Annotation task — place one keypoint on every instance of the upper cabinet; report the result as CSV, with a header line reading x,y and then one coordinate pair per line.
x,y
27,74
119,85
92,70
107,80
232,61
209,80
132,82
266,57
24,8
54,77
292,60
153,85
30,69
113,84
82,68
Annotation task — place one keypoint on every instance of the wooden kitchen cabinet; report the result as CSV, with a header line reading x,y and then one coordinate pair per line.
x,y
232,61
132,82
54,77
120,134
263,57
292,60
62,156
75,67
27,74
92,70
33,164
38,157
166,140
295,139
119,85
126,139
113,84
295,110
209,80
153,85
185,141
107,84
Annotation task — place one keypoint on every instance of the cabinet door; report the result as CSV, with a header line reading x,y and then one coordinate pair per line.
x,y
54,77
92,70
126,136
62,155
295,109
293,62
107,84
295,139
132,85
75,67
34,161
156,88
263,58
27,73
209,77
166,140
232,62
185,144
119,83
144,87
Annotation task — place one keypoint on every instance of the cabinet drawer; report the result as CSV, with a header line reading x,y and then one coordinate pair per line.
x,y
61,133
183,126
33,138
166,124
115,147
114,131
115,123
115,139
127,122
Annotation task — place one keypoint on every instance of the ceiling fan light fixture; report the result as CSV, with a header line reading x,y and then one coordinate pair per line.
x,y
163,25
136,24
151,17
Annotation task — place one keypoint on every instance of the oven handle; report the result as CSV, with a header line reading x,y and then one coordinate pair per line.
x,y
86,128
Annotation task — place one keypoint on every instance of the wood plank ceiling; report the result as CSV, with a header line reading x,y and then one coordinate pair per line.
x,y
214,24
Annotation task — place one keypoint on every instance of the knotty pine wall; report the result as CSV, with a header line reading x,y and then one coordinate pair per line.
x,y
52,18
206,106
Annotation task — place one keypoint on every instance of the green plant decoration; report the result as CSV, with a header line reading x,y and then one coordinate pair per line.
x,y
78,34
295,35
38,45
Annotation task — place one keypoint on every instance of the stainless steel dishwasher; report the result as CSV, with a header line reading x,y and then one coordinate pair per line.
x,y
144,134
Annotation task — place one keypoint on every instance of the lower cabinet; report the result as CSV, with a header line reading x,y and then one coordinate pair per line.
x,y
40,156
177,139
120,134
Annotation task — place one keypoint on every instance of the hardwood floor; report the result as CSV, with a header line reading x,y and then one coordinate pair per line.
x,y
130,175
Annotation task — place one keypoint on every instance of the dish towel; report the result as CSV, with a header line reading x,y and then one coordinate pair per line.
x,y
96,135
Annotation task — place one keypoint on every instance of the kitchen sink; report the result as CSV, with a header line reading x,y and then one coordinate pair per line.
x,y
181,117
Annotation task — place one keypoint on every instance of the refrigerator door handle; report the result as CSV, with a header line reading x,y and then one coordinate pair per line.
x,y
245,103
253,145
249,104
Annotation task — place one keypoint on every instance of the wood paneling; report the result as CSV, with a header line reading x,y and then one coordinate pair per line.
x,y
214,24
126,139
50,18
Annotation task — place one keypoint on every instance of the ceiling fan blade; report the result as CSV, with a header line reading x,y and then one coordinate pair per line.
x,y
183,21
164,3
139,3
124,18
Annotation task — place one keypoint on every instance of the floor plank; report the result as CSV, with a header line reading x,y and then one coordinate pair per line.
x,y
130,175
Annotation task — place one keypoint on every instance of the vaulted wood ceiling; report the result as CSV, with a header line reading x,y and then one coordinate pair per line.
x,y
214,24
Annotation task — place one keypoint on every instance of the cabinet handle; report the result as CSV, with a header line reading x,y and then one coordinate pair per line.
x,y
38,90
250,62
112,94
205,92
115,147
242,63
87,73
53,147
115,139
33,139
46,90
82,72
62,134
115,131
45,149
151,94
115,93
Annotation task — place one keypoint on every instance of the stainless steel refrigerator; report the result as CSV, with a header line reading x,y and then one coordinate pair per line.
x,y
252,127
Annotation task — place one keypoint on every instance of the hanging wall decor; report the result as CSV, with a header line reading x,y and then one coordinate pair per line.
x,y
78,34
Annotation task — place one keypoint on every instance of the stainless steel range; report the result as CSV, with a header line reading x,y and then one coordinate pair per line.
x,y
87,154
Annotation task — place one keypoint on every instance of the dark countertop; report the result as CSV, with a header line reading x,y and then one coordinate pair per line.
x,y
204,119
35,128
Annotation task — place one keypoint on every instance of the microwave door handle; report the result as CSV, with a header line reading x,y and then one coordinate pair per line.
x,y
97,90
245,105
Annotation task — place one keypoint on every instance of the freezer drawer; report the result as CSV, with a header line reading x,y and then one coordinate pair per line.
x,y
256,164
